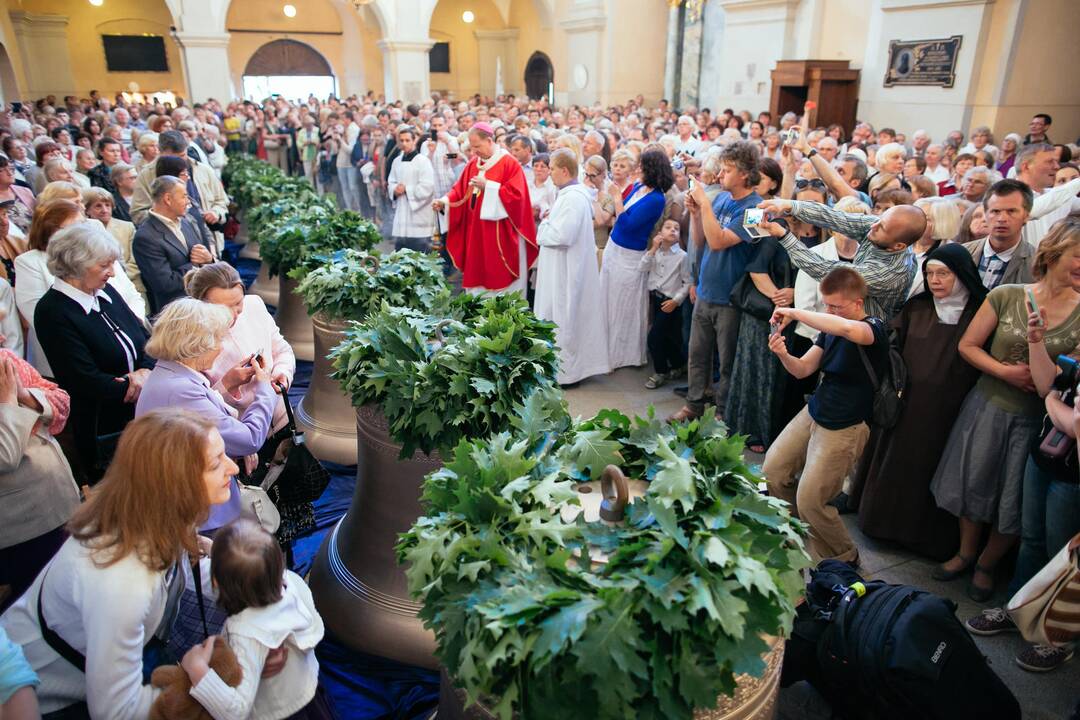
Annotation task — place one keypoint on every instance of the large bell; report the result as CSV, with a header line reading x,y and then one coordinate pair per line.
x,y
326,413
294,321
359,589
265,287
754,698
605,501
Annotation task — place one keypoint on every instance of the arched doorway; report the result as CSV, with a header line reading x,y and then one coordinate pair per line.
x,y
539,75
288,68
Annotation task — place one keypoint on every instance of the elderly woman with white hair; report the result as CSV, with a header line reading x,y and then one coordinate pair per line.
x,y
186,340
890,158
94,342
146,150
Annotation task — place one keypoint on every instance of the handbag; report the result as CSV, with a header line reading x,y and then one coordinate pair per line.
x,y
1044,609
292,475
255,500
748,299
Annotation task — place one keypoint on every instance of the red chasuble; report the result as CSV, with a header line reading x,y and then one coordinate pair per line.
x,y
486,251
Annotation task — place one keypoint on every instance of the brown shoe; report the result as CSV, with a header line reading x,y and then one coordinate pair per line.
x,y
686,414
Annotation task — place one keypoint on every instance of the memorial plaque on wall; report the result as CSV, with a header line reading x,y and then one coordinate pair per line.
x,y
923,62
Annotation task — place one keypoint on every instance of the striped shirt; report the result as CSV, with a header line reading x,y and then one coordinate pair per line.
x,y
888,275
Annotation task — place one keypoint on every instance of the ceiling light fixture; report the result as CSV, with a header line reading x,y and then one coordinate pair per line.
x,y
289,10
97,3
468,16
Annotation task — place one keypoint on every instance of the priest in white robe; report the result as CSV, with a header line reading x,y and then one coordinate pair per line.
x,y
411,184
567,279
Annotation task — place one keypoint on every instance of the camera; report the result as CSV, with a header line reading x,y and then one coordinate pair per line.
x,y
788,137
1066,380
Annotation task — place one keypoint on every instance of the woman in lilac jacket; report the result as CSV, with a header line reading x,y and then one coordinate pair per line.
x,y
186,340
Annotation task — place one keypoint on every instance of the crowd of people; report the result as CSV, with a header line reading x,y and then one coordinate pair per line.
x,y
775,270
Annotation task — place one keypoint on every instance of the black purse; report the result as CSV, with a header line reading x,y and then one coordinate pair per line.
x,y
747,298
290,474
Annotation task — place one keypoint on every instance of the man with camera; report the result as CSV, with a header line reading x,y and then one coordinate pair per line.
x,y
441,149
824,441
883,257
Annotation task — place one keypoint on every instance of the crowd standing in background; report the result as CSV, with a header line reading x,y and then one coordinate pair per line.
x,y
767,267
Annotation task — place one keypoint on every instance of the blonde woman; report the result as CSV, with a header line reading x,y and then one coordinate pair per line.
x,y
99,206
186,340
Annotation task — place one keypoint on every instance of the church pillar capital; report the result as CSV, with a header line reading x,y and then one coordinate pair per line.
x,y
205,57
406,68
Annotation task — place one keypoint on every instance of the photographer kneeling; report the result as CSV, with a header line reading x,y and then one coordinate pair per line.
x,y
824,441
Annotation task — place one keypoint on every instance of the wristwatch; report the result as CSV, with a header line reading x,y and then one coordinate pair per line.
x,y
812,153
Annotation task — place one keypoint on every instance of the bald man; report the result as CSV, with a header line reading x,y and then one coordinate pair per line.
x,y
883,257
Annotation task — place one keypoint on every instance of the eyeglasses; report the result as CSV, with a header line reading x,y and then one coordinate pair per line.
x,y
802,184
592,175
829,307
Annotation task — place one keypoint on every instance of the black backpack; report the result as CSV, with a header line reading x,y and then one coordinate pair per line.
x,y
888,389
881,651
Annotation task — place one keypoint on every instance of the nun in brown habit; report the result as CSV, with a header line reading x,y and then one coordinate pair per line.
x,y
892,486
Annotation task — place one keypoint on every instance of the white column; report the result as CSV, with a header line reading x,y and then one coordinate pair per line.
x,y
406,69
206,66
43,48
501,45
671,55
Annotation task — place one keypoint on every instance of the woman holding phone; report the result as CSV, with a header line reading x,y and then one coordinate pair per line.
x,y
252,333
187,338
980,477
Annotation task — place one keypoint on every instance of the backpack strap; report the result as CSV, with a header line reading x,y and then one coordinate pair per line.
x,y
866,363
59,645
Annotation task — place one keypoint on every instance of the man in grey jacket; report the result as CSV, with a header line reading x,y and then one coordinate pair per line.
x,y
1004,257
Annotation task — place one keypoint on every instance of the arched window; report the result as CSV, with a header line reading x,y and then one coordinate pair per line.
x,y
289,68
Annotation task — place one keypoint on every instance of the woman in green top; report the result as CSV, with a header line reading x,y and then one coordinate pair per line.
x,y
980,476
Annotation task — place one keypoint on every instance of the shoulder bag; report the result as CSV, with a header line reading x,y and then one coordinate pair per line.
x,y
1044,609
747,298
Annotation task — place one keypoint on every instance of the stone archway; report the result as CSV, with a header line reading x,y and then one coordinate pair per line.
x,y
539,74
287,66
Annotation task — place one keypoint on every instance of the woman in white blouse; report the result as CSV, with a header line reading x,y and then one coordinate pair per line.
x,y
33,278
114,585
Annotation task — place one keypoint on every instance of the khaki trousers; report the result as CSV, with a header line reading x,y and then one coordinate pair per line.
x,y
824,458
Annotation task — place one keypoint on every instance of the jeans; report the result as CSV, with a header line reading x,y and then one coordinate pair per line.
x,y
350,197
1050,516
665,336
822,458
713,328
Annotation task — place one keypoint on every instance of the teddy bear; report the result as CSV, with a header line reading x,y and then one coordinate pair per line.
x,y
175,701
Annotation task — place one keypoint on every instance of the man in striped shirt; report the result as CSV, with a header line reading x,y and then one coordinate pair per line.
x,y
883,258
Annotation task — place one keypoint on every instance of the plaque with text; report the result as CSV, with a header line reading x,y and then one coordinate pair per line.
x,y
923,62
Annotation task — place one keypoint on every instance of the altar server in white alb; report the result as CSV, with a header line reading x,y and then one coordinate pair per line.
x,y
412,187
567,279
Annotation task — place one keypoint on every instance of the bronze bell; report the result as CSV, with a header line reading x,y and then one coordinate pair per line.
x,y
359,589
265,286
293,320
326,413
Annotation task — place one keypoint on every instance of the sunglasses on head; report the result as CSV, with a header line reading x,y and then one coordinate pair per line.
x,y
803,184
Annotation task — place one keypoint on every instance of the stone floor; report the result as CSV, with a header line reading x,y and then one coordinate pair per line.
x,y
1048,696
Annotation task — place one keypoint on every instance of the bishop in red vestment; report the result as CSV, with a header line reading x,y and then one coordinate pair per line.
x,y
491,234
